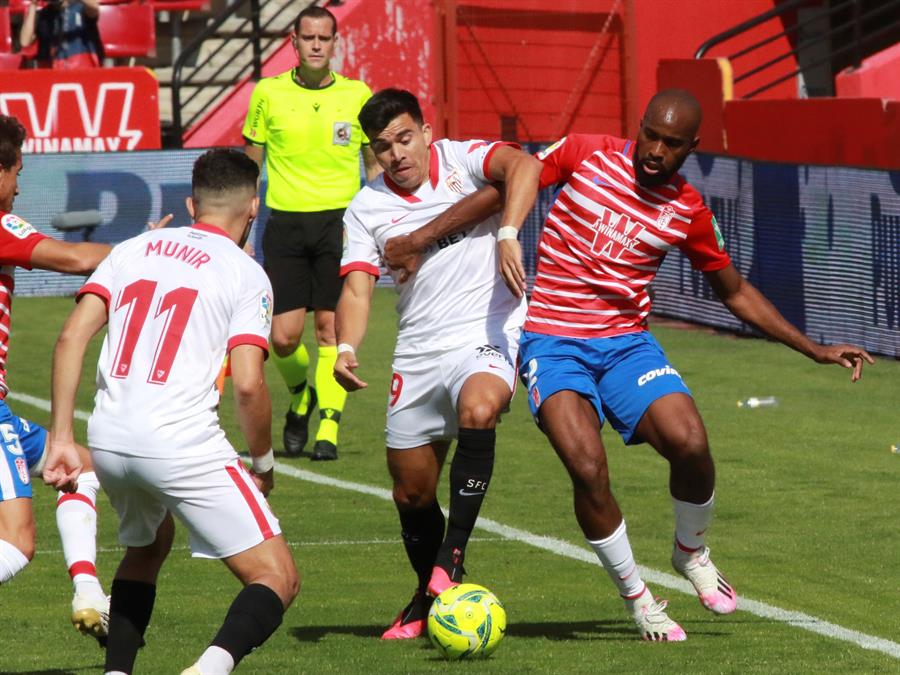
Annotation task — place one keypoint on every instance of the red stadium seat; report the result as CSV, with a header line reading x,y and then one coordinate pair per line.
x,y
5,31
17,6
10,61
128,30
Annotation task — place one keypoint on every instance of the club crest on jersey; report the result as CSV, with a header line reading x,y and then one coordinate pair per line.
x,y
453,182
665,216
543,154
265,309
22,468
17,227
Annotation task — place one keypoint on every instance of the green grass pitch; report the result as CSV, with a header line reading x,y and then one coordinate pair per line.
x,y
807,513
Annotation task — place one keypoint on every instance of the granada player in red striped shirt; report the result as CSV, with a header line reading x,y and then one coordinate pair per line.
x,y
587,356
24,444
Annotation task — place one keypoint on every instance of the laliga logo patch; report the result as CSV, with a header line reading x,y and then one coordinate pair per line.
x,y
22,468
16,226
543,154
265,309
665,217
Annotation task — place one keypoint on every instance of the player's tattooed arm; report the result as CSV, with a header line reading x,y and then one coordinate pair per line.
x,y
351,317
749,305
403,253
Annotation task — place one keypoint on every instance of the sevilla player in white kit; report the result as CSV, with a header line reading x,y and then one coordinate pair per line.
x,y
175,302
453,370
587,356
22,442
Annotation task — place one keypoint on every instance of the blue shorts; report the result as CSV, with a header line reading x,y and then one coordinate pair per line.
x,y
621,376
23,449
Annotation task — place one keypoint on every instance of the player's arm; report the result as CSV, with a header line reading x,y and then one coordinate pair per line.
x,y
254,409
68,257
255,152
373,168
63,464
351,318
403,252
749,305
521,174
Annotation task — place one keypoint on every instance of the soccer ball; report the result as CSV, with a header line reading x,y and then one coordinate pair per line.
x,y
466,621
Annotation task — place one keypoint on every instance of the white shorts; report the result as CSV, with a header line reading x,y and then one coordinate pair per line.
x,y
425,389
212,494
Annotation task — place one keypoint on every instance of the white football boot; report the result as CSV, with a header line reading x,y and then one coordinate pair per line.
x,y
714,591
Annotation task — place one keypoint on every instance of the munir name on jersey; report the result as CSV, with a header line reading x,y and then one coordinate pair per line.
x,y
173,249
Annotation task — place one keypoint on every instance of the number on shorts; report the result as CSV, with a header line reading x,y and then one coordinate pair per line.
x,y
10,439
175,308
396,388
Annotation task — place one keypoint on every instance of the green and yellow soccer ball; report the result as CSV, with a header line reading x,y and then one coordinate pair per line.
x,y
466,621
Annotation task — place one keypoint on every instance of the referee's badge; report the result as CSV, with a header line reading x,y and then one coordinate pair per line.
x,y
341,133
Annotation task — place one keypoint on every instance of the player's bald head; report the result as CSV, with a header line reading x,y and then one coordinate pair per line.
x,y
224,181
675,108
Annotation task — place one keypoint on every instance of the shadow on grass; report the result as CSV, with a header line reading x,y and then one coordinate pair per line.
x,y
562,630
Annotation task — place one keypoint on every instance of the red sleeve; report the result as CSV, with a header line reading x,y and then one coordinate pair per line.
x,y
17,241
562,158
94,289
704,246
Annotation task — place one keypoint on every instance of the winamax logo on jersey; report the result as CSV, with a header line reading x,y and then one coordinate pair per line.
x,y
102,110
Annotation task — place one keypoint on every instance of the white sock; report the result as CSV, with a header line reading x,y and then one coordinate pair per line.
x,y
215,661
618,560
12,561
76,519
691,523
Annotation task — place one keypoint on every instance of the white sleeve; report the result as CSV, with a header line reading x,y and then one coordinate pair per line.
x,y
475,156
102,282
360,249
252,318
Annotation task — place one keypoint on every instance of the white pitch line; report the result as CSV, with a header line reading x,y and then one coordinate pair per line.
x,y
567,550
292,544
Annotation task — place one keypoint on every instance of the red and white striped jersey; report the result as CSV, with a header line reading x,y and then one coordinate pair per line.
x,y
17,240
606,236
178,299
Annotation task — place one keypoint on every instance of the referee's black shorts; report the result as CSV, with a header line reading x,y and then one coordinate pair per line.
x,y
302,256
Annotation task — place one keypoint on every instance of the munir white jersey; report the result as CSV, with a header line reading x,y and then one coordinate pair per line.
x,y
178,299
457,295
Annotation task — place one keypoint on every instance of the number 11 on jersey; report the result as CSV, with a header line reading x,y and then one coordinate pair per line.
x,y
175,308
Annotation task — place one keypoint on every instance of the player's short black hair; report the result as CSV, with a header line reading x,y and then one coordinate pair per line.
x,y
315,12
384,106
222,170
12,135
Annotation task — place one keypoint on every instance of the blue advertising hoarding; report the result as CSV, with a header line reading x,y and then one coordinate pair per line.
x,y
822,243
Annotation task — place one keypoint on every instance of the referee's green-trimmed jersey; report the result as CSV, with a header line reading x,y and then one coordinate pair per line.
x,y
312,139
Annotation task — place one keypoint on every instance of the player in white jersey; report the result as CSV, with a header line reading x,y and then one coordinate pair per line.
x,y
453,369
23,443
175,302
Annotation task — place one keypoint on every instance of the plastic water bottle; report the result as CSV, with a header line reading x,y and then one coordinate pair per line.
x,y
758,402
896,449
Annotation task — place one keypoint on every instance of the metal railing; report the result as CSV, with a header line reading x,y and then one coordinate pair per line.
x,y
251,31
857,16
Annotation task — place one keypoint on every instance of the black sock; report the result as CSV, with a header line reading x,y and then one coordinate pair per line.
x,y
423,532
470,474
130,608
253,616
